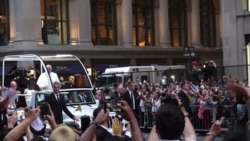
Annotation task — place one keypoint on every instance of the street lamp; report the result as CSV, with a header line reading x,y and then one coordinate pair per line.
x,y
189,52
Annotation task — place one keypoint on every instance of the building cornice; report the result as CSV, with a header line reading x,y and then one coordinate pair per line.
x,y
110,52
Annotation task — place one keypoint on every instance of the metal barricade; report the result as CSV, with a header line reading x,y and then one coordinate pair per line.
x,y
210,116
147,118
201,124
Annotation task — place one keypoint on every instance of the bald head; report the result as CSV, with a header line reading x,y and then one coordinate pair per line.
x,y
13,84
120,88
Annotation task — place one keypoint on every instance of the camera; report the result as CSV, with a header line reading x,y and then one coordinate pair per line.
x,y
20,114
44,109
169,98
112,104
85,122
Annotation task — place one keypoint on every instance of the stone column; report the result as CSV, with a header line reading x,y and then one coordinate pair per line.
x,y
127,27
12,21
163,24
119,22
80,22
231,50
25,19
195,23
74,15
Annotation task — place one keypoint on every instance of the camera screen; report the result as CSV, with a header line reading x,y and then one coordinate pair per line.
x,y
113,106
20,114
44,109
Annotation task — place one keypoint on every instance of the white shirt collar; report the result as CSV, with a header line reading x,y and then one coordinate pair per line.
x,y
56,95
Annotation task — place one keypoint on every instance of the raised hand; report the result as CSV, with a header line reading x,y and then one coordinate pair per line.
x,y
216,127
11,119
33,113
102,117
117,127
126,111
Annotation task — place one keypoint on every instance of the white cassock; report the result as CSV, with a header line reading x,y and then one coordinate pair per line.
x,y
43,80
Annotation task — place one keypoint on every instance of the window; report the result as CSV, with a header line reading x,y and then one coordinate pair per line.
x,y
177,23
4,22
207,23
246,5
103,22
54,21
143,22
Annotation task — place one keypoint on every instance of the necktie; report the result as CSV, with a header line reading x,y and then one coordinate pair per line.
x,y
58,98
132,99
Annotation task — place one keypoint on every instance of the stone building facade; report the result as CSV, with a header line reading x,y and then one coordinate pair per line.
x,y
109,33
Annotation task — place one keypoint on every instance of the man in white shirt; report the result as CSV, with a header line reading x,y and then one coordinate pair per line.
x,y
43,80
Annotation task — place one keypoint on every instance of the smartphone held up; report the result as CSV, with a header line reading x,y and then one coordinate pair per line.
x,y
44,109
20,115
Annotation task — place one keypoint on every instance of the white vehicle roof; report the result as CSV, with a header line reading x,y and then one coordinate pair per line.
x,y
33,57
142,68
63,64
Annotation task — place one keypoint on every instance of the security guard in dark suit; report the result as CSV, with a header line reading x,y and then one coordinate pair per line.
x,y
57,104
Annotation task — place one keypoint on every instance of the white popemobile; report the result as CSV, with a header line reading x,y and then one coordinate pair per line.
x,y
28,67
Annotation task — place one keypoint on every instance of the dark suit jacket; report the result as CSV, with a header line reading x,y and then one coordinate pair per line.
x,y
126,138
185,101
70,85
126,97
116,138
58,107
117,95
87,99
102,134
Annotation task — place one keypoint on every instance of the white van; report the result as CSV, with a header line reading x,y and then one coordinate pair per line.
x,y
26,68
139,74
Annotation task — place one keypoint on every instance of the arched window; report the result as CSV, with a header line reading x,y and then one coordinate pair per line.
x,y
103,22
207,23
177,23
54,21
4,22
143,22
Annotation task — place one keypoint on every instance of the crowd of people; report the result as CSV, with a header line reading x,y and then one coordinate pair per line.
x,y
205,103
171,107
33,125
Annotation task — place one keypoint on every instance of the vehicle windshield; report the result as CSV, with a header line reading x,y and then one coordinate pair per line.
x,y
70,71
75,97
78,96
